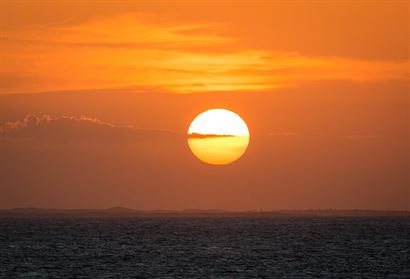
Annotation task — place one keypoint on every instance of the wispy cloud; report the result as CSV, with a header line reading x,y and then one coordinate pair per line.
x,y
31,120
131,50
76,128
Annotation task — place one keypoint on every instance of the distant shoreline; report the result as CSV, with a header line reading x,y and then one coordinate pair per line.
x,y
127,212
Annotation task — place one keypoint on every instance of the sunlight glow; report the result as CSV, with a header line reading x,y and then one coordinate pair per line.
x,y
219,122
218,137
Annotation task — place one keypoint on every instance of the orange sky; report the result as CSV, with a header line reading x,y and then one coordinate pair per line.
x,y
323,87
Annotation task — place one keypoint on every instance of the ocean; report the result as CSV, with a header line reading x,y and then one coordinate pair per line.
x,y
205,246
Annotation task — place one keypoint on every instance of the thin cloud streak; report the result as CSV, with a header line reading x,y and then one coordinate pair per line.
x,y
34,120
63,129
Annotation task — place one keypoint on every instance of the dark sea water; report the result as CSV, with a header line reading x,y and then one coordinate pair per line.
x,y
205,247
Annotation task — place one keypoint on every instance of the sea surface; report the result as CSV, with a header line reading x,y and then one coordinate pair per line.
x,y
211,246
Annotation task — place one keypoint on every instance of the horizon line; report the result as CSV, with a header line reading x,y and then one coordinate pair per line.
x,y
118,208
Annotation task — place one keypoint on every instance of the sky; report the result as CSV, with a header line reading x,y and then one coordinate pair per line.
x,y
96,98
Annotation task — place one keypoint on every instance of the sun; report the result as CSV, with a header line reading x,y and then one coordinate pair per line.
x,y
218,136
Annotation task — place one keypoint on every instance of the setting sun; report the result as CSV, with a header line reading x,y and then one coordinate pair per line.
x,y
126,150
218,136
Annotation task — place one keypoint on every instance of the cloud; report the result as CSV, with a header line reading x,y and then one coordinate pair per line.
x,y
134,50
32,120
28,121
76,128
136,31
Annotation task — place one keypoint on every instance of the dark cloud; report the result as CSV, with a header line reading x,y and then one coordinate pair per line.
x,y
76,128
